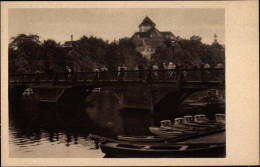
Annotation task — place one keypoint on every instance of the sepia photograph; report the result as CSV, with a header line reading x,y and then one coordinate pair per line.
x,y
115,83
107,83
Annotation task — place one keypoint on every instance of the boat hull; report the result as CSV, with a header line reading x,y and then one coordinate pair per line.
x,y
162,151
142,138
168,132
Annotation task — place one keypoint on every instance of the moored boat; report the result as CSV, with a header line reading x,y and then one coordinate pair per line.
x,y
189,121
142,138
201,119
199,125
220,118
168,132
126,150
168,125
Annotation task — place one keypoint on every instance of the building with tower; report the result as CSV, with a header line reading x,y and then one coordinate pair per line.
x,y
149,38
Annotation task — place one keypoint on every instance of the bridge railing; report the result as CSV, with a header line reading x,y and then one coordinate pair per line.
x,y
203,75
187,75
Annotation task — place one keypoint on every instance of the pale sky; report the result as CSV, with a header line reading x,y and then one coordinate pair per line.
x,y
59,24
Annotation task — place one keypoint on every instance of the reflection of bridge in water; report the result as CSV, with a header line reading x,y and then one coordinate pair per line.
x,y
134,89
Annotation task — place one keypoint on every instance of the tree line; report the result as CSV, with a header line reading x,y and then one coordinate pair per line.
x,y
27,54
191,53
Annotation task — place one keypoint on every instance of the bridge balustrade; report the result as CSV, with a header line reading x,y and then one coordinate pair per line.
x,y
84,76
187,75
206,75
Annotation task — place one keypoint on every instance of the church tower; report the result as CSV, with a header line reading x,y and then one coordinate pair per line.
x,y
146,25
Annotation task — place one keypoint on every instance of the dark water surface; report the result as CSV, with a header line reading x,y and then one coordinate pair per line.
x,y
44,130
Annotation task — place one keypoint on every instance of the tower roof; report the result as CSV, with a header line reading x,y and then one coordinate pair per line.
x,y
147,22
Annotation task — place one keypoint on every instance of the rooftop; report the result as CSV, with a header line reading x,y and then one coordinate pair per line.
x,y
147,22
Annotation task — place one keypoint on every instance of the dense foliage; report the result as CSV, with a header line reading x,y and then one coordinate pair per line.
x,y
190,53
28,54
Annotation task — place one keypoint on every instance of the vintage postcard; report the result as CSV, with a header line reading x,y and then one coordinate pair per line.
x,y
129,83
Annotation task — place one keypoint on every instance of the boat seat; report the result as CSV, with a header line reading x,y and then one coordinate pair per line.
x,y
184,147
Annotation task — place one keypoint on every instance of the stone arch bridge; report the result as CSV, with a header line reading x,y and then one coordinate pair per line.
x,y
134,89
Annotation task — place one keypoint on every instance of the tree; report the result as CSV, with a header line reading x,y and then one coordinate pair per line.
x,y
52,56
190,52
24,53
130,57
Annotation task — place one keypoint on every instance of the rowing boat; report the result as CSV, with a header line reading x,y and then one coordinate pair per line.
x,y
168,132
195,150
142,138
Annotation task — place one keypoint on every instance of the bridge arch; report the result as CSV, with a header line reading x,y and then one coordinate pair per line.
x,y
74,94
171,100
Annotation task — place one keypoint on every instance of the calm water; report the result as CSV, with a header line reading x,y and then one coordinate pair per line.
x,y
38,130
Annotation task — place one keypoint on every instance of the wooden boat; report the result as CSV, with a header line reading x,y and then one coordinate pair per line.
x,y
196,135
143,138
165,123
180,126
167,132
200,118
201,121
220,118
169,139
125,150
179,122
167,129
168,125
188,120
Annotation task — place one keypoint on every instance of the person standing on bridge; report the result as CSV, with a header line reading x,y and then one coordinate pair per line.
x,y
69,72
125,69
96,74
37,76
121,73
140,71
103,72
206,72
171,70
161,71
149,75
66,73
155,71
164,66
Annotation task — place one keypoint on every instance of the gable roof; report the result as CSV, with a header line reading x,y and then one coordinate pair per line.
x,y
168,34
145,34
147,22
145,38
165,33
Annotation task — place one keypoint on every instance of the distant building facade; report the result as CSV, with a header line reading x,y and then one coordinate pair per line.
x,y
149,38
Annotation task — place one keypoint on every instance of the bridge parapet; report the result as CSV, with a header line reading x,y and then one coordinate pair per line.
x,y
187,75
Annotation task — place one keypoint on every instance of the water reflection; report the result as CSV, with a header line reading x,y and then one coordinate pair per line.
x,y
48,130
